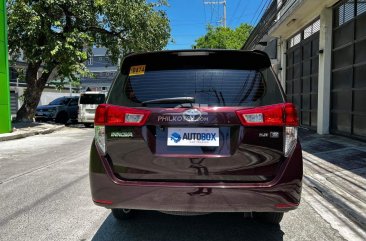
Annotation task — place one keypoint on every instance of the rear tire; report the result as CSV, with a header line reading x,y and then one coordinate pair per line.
x,y
62,118
269,217
122,214
74,121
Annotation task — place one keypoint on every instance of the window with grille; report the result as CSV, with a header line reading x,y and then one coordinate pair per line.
x,y
294,40
361,7
306,33
311,29
348,10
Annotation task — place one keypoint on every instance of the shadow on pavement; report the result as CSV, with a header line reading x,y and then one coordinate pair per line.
x,y
336,168
346,153
150,225
21,125
79,126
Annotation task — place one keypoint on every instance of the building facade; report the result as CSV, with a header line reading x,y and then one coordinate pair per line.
x,y
319,54
102,69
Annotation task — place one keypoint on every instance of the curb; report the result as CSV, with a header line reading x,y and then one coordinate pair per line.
x,y
341,198
30,133
331,195
341,221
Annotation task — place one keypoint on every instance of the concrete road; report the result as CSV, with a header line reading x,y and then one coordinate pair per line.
x,y
44,195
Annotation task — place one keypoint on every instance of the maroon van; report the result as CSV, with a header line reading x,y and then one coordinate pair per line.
x,y
197,131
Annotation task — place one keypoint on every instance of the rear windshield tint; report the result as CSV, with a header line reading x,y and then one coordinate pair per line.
x,y
92,98
208,87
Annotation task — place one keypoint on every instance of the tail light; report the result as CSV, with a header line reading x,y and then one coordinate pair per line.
x,y
110,115
274,115
100,137
290,139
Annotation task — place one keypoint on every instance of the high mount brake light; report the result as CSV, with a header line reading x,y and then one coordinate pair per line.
x,y
272,115
110,115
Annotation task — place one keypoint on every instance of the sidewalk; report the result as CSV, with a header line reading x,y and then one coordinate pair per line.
x,y
21,130
335,167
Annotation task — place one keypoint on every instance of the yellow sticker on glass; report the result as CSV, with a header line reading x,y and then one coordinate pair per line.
x,y
137,70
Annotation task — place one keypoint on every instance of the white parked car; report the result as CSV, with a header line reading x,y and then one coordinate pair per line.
x,y
88,103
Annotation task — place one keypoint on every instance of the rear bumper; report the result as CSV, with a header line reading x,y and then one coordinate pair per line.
x,y
86,120
281,194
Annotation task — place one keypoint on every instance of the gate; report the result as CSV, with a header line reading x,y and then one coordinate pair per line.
x,y
302,67
348,89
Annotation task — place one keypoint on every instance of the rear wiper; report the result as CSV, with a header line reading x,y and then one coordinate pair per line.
x,y
174,100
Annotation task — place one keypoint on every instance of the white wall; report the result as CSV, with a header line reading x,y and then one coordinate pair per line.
x,y
47,97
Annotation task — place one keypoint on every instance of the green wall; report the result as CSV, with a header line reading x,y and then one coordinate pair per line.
x,y
5,123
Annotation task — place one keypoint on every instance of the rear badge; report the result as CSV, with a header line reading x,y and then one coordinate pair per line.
x,y
121,134
192,115
274,134
263,135
271,135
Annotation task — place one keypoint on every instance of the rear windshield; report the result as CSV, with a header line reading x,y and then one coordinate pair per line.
x,y
92,98
206,87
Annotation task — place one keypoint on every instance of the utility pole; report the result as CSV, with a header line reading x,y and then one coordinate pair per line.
x,y
224,4
70,88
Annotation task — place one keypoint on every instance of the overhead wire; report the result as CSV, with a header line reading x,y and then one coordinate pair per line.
x,y
204,10
265,7
256,12
238,3
243,12
187,23
218,14
212,13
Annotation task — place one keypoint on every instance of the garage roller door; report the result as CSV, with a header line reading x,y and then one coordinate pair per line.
x,y
302,74
348,89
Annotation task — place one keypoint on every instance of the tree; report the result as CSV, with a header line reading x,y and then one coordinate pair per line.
x,y
224,38
55,36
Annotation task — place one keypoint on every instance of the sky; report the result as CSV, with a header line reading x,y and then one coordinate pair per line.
x,y
189,18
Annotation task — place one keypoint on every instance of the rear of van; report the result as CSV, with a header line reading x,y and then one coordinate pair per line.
x,y
88,103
